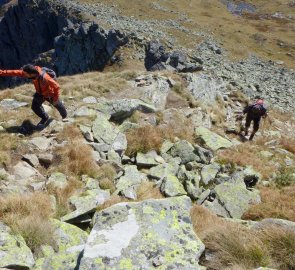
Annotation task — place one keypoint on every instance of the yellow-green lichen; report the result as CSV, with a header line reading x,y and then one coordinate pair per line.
x,y
126,264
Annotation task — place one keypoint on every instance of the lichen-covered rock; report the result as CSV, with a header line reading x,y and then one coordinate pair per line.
x,y
185,151
57,180
59,261
143,235
284,224
86,203
211,139
172,187
68,236
128,183
235,198
103,130
22,171
216,208
84,111
162,170
14,253
147,160
209,172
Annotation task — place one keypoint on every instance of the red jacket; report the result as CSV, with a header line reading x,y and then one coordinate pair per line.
x,y
48,87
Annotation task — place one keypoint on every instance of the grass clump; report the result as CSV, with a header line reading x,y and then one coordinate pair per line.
x,y
29,215
235,246
76,156
275,203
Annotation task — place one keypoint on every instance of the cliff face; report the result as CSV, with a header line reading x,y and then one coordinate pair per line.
x,y
52,33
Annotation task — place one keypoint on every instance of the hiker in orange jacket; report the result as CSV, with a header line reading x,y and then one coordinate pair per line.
x,y
47,89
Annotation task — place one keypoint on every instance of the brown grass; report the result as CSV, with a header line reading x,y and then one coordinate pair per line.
x,y
276,203
148,190
247,154
114,199
8,143
234,246
288,144
28,215
76,156
149,137
62,196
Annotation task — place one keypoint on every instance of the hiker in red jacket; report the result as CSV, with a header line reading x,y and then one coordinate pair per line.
x,y
47,89
254,113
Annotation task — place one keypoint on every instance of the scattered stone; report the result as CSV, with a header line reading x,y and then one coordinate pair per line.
x,y
172,187
41,143
128,183
85,203
45,159
209,172
90,100
211,139
120,143
147,160
235,198
185,151
85,112
32,159
22,170
145,229
86,131
57,180
204,196
163,170
204,154
12,104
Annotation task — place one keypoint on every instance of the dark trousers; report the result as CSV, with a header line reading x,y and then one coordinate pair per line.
x,y
39,110
256,121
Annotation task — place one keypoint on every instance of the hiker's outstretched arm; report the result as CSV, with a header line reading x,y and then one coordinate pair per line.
x,y
12,73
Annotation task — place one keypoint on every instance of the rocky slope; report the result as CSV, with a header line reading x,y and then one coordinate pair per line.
x,y
145,234
121,185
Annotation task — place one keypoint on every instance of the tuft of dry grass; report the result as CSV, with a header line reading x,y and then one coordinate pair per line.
x,y
28,215
8,143
247,154
70,133
62,196
114,199
276,203
148,190
234,246
76,157
149,137
144,139
288,144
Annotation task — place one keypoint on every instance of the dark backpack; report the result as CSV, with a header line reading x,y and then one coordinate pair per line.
x,y
257,110
49,71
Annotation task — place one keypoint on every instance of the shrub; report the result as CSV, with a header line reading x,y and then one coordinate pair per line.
x,y
285,177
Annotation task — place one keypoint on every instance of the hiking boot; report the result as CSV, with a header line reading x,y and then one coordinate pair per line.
x,y
43,122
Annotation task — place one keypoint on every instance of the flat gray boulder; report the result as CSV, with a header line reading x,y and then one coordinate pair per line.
x,y
172,187
121,109
144,235
86,203
211,139
12,104
185,151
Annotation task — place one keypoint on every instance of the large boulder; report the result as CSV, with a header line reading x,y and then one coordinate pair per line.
x,y
145,235
235,198
14,252
12,104
209,172
211,139
185,151
121,109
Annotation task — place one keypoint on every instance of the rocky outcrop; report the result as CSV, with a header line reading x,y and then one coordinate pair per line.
x,y
52,33
158,59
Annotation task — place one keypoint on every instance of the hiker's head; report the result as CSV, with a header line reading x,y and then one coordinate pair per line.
x,y
260,101
30,71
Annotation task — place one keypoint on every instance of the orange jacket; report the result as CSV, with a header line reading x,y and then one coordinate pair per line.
x,y
47,87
